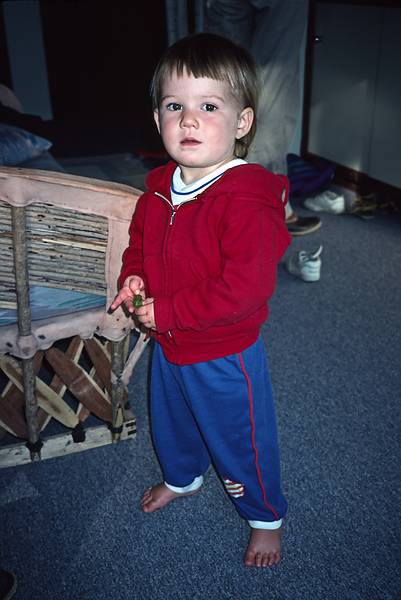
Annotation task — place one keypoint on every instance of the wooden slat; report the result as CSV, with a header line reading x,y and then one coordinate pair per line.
x,y
80,384
73,352
46,397
14,398
61,445
100,361
11,417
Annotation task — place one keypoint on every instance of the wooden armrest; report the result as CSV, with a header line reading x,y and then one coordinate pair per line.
x,y
22,187
68,180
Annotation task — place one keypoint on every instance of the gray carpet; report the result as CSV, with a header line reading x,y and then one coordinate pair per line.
x,y
71,527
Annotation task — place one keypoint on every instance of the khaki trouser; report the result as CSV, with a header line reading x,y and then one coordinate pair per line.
x,y
273,30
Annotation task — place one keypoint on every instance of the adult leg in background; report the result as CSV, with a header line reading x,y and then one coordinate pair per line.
x,y
274,31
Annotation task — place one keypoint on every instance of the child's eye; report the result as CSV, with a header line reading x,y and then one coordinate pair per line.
x,y
174,106
209,107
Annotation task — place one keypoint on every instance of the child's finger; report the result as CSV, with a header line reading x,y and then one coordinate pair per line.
x,y
145,313
115,304
121,298
143,310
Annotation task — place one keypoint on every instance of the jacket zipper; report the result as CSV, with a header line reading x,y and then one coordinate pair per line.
x,y
174,210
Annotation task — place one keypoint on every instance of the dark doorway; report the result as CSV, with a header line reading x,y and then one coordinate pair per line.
x,y
100,59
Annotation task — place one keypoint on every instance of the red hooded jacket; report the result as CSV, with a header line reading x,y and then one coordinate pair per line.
x,y
209,263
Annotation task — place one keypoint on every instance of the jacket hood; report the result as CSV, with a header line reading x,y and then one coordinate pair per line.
x,y
258,182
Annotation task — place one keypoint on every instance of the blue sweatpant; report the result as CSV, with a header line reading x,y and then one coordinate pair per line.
x,y
220,411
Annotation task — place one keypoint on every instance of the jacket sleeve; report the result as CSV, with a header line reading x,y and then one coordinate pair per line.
x,y
253,238
132,259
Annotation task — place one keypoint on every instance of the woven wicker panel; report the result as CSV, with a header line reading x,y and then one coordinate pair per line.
x,y
66,249
7,283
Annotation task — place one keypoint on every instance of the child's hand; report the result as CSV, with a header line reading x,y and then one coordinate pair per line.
x,y
146,313
133,285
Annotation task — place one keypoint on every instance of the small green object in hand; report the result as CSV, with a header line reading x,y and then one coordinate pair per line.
x,y
137,301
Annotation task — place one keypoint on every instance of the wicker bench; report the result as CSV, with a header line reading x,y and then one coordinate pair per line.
x,y
61,239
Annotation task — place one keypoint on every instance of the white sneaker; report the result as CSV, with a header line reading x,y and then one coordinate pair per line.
x,y
305,265
327,201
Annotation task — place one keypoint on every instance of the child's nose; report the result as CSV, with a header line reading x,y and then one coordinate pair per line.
x,y
189,119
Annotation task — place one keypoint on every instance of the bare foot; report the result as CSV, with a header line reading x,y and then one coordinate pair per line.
x,y
159,496
264,548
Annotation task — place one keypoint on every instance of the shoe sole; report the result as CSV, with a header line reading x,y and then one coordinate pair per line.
x,y
332,210
305,231
306,278
310,278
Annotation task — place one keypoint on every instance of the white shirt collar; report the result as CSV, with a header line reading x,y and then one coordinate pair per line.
x,y
181,192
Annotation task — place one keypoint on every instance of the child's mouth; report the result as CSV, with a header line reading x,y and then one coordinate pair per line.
x,y
189,142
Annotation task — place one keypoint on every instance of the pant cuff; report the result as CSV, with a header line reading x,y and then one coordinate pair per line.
x,y
192,487
266,524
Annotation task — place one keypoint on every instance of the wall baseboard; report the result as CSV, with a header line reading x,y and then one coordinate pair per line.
x,y
360,183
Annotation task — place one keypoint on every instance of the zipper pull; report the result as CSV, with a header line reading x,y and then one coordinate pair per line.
x,y
172,216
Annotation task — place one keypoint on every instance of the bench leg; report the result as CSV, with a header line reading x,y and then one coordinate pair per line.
x,y
118,355
34,443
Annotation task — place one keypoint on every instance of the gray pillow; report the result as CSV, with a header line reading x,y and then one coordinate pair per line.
x,y
18,145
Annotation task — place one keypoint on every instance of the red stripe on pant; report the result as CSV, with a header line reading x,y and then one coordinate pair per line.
x,y
255,448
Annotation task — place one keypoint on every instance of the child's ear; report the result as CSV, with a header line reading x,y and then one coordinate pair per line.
x,y
245,121
156,118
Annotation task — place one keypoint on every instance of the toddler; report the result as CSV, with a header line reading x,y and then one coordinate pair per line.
x,y
205,241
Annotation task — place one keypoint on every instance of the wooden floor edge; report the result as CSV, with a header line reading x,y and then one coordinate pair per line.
x,y
63,444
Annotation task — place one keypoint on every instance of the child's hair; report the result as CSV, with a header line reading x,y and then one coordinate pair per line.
x,y
210,55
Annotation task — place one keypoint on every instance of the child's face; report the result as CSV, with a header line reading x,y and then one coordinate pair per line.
x,y
199,120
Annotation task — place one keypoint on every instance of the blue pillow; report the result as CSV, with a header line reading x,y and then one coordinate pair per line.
x,y
17,145
53,302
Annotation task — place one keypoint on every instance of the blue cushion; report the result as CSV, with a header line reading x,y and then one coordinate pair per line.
x,y
53,302
18,145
